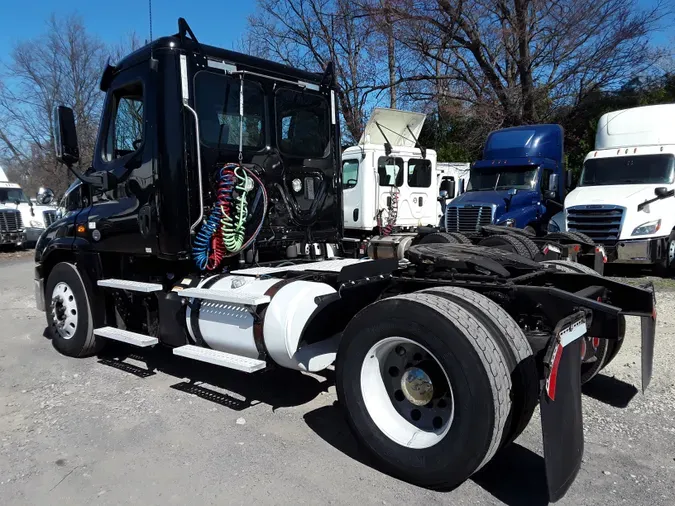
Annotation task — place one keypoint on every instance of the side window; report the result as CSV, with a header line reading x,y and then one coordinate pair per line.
x,y
390,171
73,200
125,126
419,173
350,173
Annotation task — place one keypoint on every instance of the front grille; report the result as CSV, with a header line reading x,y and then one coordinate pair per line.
x,y
601,223
50,217
10,221
467,218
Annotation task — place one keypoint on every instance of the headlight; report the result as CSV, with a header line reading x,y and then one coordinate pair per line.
x,y
36,224
509,222
651,227
552,226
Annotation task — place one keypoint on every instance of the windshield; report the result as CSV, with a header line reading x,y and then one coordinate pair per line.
x,y
12,195
521,178
217,103
643,169
302,123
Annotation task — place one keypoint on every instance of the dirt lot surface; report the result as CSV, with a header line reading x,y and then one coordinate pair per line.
x,y
154,429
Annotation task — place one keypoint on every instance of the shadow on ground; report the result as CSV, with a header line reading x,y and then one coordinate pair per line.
x,y
515,476
612,391
232,389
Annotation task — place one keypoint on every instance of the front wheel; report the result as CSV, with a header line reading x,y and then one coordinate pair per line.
x,y
425,388
69,312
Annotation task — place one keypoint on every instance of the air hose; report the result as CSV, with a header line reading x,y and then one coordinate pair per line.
x,y
233,221
392,214
223,233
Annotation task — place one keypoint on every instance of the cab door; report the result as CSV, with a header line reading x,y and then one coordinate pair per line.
x,y
125,214
390,180
423,197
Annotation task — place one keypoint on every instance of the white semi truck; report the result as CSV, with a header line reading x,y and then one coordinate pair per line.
x,y
622,198
21,221
391,184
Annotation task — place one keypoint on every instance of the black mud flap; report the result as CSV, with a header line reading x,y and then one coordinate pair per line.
x,y
561,418
648,324
648,328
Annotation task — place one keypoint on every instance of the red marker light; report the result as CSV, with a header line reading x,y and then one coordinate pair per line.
x,y
552,379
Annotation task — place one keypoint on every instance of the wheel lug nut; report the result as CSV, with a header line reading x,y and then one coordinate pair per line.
x,y
400,351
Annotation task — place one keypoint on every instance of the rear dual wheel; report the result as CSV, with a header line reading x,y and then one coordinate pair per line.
x,y
426,387
518,244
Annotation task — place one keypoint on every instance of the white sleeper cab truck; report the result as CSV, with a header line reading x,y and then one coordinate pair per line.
x,y
21,221
390,182
623,198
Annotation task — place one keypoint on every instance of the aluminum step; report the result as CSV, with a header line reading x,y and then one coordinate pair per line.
x,y
132,286
220,358
230,296
126,336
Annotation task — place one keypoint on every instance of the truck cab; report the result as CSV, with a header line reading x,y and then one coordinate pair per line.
x,y
389,182
623,197
21,220
518,183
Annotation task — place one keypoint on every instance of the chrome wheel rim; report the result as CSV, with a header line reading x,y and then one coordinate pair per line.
x,y
407,393
64,310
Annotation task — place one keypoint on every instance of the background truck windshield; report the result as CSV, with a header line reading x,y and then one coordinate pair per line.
x,y
12,195
643,169
521,178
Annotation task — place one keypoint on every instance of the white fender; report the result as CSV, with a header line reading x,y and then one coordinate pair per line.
x,y
285,319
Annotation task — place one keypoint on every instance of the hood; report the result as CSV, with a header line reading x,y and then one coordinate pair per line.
x,y
497,197
629,196
37,216
617,195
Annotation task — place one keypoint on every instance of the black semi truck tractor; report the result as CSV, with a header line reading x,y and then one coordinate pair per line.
x,y
207,223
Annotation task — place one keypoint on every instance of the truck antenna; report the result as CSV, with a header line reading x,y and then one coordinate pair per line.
x,y
152,53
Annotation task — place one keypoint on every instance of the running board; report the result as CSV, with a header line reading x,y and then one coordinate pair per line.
x,y
126,336
132,286
220,358
231,296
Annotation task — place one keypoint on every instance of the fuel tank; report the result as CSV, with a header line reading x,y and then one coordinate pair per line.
x,y
274,330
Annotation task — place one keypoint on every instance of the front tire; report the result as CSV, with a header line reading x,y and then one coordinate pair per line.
x,y
69,312
460,363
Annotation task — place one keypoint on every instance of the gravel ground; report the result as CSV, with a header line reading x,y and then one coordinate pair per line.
x,y
156,429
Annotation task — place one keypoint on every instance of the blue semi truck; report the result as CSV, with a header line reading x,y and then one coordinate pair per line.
x,y
520,182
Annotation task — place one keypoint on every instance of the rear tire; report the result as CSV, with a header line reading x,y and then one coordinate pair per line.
x,y
567,266
440,237
472,364
515,244
515,348
69,312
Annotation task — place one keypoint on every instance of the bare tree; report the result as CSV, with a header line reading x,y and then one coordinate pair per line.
x,y
517,60
61,67
310,33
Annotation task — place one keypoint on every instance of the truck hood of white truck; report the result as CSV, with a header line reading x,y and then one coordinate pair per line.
x,y
30,219
629,196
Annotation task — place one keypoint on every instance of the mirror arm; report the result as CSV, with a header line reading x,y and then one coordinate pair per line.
x,y
103,179
641,206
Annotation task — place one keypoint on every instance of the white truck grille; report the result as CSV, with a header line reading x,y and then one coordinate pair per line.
x,y
10,220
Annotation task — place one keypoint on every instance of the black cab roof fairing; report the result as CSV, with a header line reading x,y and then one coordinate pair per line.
x,y
246,62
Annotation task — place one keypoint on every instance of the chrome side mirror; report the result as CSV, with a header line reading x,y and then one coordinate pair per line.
x,y
45,196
